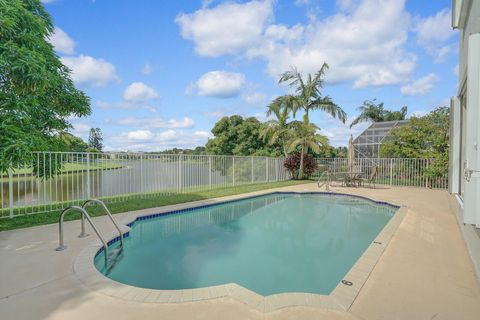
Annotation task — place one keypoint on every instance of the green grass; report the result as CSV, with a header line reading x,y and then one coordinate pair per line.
x,y
72,167
32,220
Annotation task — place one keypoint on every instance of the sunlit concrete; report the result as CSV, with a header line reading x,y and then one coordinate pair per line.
x,y
424,273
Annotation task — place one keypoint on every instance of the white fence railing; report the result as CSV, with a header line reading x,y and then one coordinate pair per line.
x,y
412,172
58,179
55,180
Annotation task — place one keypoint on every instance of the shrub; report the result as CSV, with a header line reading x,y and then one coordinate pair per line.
x,y
292,164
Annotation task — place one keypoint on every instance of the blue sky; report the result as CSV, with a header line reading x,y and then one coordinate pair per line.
x,y
161,73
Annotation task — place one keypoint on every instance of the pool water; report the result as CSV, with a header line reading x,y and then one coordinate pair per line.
x,y
270,244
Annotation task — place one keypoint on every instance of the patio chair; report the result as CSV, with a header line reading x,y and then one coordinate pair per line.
x,y
371,178
353,179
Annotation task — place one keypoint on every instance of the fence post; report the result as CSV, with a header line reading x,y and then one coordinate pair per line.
x,y
180,182
88,176
10,191
266,169
391,171
142,189
210,171
252,168
233,171
426,176
276,170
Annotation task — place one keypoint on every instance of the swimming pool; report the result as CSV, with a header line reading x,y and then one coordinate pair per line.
x,y
275,243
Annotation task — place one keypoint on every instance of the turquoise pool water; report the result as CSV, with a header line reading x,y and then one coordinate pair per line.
x,y
269,244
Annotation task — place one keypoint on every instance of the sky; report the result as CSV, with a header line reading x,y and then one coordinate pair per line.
x,y
161,73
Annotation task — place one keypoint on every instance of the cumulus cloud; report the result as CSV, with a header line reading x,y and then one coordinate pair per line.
x,y
156,122
228,28
434,32
80,129
61,41
420,86
360,45
139,135
220,84
92,71
254,98
147,140
139,92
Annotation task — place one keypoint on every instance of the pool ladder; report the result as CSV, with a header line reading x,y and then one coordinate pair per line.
x,y
82,234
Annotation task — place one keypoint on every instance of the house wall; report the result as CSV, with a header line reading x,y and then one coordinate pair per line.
x,y
465,119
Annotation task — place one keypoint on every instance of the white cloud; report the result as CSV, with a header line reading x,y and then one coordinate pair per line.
x,y
88,70
61,41
420,86
156,122
360,45
80,129
219,84
125,105
254,98
339,134
147,69
146,140
140,135
433,32
228,28
139,92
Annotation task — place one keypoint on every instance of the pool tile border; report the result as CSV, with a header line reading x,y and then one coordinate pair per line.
x,y
341,298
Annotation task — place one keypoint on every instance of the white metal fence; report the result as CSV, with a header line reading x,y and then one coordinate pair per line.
x,y
55,180
58,179
412,172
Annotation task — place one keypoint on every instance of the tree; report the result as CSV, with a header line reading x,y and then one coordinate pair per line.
x,y
95,139
306,137
375,112
423,137
37,95
71,143
308,96
277,129
240,136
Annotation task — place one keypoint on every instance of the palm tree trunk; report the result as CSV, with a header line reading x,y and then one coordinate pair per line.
x,y
285,149
300,174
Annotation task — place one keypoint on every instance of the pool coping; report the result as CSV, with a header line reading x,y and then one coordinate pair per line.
x,y
341,298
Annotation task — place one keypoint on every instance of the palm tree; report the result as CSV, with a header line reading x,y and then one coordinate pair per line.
x,y
308,96
278,129
371,111
306,137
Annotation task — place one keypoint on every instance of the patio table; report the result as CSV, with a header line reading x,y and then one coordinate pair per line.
x,y
351,178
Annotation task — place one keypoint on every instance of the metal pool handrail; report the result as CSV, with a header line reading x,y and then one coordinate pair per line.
x,y
108,214
84,214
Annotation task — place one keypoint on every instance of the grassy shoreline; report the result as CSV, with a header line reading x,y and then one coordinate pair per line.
x,y
38,219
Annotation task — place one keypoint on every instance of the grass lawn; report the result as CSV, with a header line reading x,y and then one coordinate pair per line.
x,y
140,203
71,167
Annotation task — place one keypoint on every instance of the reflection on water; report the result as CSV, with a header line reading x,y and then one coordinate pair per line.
x,y
133,177
270,244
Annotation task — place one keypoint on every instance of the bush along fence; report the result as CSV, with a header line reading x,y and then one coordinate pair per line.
x,y
55,180
411,172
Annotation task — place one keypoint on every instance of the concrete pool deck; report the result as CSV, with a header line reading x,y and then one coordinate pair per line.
x,y
424,272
